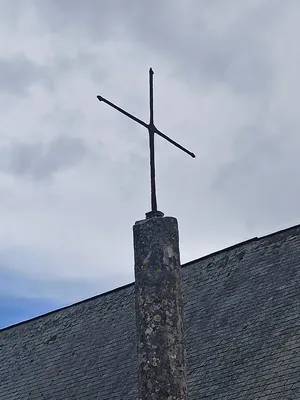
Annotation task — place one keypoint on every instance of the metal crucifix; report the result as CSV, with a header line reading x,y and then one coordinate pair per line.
x,y
152,130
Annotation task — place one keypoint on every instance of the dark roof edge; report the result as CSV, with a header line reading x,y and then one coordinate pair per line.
x,y
214,253
281,231
257,238
68,306
132,283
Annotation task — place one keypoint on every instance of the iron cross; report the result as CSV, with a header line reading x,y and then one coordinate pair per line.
x,y
152,130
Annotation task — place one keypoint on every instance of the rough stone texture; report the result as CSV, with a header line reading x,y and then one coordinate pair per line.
x,y
159,310
242,330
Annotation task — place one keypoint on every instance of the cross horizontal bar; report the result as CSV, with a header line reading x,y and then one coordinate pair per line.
x,y
139,121
174,143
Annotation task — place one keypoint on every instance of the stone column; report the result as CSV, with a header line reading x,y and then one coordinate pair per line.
x,y
159,310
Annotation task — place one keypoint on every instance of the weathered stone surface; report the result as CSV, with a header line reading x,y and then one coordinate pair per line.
x,y
159,310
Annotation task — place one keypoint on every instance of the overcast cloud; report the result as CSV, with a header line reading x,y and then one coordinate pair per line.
x,y
74,174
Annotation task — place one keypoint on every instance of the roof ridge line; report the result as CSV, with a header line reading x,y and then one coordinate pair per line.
x,y
220,251
254,239
280,231
68,306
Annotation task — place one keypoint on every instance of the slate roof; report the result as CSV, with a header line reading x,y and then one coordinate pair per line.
x,y
242,325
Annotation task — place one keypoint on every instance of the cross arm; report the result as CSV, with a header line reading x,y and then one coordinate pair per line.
x,y
150,127
139,121
173,142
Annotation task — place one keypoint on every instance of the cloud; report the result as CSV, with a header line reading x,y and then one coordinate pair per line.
x,y
207,42
16,285
41,160
75,173
17,74
260,178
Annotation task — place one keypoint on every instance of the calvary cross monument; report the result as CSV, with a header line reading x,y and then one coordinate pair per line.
x,y
158,295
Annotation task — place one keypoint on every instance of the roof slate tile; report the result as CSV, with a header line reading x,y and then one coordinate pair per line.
x,y
242,308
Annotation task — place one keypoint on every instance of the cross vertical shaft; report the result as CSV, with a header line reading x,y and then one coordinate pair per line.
x,y
151,130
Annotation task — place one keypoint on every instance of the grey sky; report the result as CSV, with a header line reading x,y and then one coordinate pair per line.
x,y
74,174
